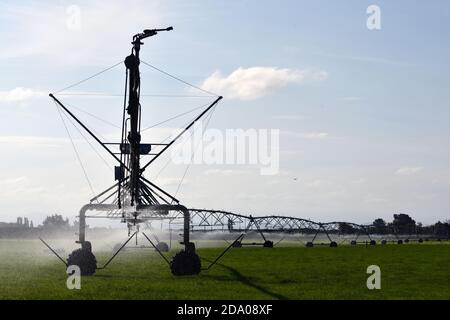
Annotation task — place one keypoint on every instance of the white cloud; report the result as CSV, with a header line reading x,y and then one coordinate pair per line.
x,y
316,135
307,135
85,34
256,82
359,181
408,171
13,181
374,199
171,181
33,141
19,94
292,117
352,99
18,186
229,172
318,184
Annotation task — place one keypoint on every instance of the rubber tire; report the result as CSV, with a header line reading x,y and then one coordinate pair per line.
x,y
373,243
163,247
420,240
383,242
333,244
400,242
185,263
237,244
309,244
85,260
353,243
406,240
268,244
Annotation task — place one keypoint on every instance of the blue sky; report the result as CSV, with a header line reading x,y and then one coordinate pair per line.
x,y
367,140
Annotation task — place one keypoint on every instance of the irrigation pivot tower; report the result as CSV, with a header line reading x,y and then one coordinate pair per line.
x,y
134,200
137,199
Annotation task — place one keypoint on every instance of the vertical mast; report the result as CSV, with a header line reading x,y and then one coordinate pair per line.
x,y
132,148
134,136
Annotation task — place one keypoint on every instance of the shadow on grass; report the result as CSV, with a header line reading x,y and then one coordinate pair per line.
x,y
246,281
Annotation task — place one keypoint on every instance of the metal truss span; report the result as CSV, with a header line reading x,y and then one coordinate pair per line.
x,y
204,220
308,231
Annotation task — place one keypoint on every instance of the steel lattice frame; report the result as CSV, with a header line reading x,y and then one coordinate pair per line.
x,y
205,220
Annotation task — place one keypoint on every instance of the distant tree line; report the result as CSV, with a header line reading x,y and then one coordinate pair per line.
x,y
56,221
52,225
402,224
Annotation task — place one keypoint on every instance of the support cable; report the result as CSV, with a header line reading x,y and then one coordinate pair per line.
x,y
238,239
94,116
54,252
88,127
117,252
170,159
175,117
89,78
178,79
109,95
194,152
157,249
87,141
76,152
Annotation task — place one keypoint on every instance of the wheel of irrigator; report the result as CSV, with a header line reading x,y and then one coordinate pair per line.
x,y
406,240
421,240
353,243
162,246
237,244
268,244
185,263
373,243
383,242
333,244
400,242
309,244
84,259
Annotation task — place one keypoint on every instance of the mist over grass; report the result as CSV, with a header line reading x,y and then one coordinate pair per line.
x,y
289,271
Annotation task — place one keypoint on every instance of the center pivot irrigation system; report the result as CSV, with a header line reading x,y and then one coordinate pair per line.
x,y
135,200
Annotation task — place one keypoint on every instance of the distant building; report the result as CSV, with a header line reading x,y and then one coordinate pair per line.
x,y
23,223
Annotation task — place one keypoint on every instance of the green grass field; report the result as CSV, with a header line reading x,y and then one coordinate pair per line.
x,y
412,271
